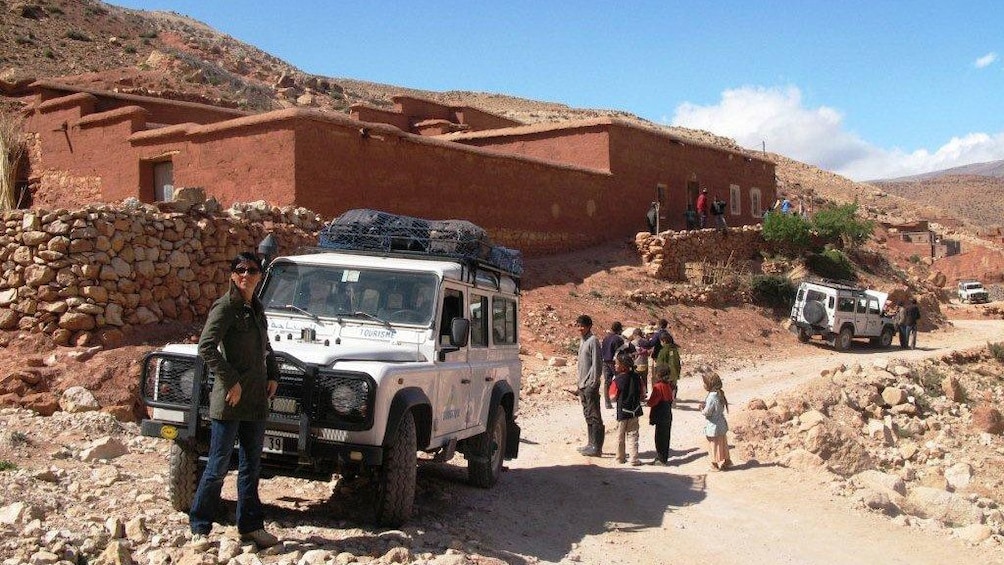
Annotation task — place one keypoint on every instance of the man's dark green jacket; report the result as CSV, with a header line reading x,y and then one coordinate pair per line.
x,y
234,344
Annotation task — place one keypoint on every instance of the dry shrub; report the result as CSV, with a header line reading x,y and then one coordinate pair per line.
x,y
988,419
11,151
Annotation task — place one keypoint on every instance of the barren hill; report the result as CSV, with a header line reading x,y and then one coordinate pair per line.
x,y
97,45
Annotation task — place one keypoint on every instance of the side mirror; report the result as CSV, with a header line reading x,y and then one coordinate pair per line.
x,y
460,330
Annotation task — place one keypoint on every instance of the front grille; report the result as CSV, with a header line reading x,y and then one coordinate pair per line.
x,y
168,379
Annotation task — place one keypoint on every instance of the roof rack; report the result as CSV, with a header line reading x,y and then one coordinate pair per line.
x,y
373,232
837,283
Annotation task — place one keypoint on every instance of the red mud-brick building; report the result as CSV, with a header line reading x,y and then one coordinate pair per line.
x,y
540,188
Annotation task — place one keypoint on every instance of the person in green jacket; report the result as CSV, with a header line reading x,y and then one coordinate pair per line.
x,y
669,354
235,347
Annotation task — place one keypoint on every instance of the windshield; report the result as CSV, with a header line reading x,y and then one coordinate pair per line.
x,y
329,291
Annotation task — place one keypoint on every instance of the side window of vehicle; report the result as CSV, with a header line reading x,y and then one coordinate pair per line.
x,y
453,307
862,305
479,321
503,320
845,304
829,303
873,307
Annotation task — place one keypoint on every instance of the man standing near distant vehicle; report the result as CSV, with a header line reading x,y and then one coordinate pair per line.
x,y
702,209
590,367
652,218
910,317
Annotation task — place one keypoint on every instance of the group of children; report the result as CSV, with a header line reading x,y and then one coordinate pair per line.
x,y
628,390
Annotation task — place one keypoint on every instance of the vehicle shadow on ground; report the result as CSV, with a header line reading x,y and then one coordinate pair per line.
x,y
534,513
867,348
543,511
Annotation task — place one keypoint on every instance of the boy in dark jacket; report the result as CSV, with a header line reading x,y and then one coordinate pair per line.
x,y
626,392
661,413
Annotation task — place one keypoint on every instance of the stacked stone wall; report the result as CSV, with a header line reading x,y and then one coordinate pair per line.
x,y
666,254
89,276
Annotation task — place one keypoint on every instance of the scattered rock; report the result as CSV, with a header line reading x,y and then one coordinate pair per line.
x,y
78,399
107,448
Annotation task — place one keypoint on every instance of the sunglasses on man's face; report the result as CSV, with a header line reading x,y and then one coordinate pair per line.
x,y
246,270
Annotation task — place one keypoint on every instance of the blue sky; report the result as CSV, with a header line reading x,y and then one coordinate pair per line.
x,y
867,89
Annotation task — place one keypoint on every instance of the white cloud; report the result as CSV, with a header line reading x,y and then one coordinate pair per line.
x,y
986,60
752,115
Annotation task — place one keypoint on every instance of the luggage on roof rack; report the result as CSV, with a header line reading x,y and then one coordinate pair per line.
x,y
377,231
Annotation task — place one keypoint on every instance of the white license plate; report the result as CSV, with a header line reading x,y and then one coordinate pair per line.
x,y
277,444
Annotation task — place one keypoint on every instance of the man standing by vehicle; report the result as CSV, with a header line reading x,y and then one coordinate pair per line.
x,y
235,347
910,317
590,370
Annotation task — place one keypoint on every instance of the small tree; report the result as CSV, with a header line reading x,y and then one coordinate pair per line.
x,y
11,151
842,224
786,228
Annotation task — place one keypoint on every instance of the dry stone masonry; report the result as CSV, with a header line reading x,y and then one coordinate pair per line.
x,y
87,276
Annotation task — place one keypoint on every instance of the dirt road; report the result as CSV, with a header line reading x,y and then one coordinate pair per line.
x,y
556,506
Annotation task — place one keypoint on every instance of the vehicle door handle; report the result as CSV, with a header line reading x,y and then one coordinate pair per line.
x,y
465,381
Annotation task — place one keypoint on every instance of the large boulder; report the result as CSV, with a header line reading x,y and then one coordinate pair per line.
x,y
948,507
78,399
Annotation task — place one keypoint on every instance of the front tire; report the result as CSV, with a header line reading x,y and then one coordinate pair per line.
x,y
844,338
183,477
487,451
885,340
395,494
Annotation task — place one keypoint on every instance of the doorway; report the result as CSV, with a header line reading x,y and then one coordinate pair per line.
x,y
163,181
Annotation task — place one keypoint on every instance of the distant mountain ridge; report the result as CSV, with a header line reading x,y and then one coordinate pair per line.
x,y
987,169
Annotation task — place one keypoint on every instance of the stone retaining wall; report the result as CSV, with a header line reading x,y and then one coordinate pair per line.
x,y
666,254
87,276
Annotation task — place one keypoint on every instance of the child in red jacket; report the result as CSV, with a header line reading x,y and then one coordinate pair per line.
x,y
661,413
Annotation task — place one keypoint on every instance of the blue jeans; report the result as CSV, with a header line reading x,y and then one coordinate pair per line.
x,y
251,436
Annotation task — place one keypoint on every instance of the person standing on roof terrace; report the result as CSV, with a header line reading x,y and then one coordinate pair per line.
x,y
702,208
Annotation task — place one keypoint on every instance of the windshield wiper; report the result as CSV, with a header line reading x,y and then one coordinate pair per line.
x,y
296,308
360,313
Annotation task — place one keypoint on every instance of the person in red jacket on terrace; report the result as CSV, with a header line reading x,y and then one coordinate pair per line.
x,y
702,208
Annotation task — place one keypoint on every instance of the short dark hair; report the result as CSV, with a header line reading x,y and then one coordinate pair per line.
x,y
584,320
245,257
663,323
616,327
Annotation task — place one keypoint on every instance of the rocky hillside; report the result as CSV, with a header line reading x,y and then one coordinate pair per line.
x,y
976,198
93,44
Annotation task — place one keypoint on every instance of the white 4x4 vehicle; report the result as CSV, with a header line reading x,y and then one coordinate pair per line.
x,y
382,354
839,313
972,291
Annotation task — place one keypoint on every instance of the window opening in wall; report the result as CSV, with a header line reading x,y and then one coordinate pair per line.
x,y
756,208
735,200
163,181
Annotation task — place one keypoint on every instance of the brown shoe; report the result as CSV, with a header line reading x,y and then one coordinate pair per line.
x,y
261,538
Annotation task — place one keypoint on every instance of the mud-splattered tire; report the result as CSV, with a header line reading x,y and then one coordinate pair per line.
x,y
844,338
885,340
395,492
487,450
183,477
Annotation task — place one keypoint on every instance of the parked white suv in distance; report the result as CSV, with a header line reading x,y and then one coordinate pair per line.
x,y
839,312
973,292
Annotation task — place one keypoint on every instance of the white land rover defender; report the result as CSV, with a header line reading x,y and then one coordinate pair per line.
x,y
383,352
840,312
973,292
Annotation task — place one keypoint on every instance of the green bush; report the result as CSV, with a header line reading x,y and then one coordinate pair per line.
x,y
840,223
786,228
832,264
915,258
996,350
7,466
772,291
148,34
